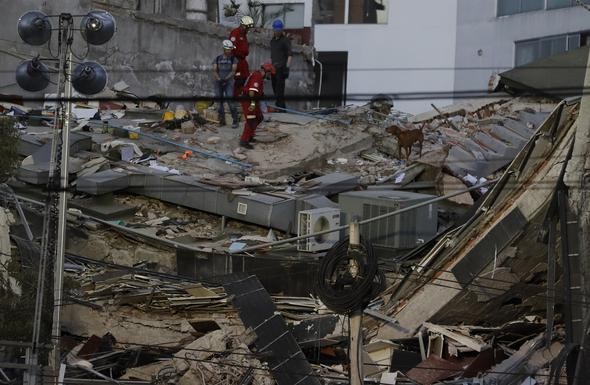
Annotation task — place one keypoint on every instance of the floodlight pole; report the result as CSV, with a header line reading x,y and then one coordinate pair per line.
x,y
62,212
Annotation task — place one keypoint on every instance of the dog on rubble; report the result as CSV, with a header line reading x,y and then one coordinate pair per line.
x,y
406,138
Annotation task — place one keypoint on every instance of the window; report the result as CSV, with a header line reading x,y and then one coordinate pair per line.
x,y
359,11
330,12
531,50
552,4
367,11
292,14
511,7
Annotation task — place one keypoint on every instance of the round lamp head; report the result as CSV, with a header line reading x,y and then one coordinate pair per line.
x,y
89,78
34,28
97,27
32,75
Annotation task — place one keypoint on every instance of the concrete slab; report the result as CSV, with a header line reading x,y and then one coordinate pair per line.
x,y
461,161
103,182
518,127
509,136
36,174
289,118
331,184
491,142
536,118
103,207
78,142
28,144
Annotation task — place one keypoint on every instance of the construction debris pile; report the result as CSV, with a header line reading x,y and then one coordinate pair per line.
x,y
463,279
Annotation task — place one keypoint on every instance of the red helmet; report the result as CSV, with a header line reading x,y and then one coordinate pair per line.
x,y
268,67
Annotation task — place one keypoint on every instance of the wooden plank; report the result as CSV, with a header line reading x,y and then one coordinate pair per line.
x,y
470,342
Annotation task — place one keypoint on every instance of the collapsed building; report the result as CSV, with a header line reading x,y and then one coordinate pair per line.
x,y
192,261
159,239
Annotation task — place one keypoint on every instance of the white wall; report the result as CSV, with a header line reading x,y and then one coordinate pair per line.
x,y
391,58
479,28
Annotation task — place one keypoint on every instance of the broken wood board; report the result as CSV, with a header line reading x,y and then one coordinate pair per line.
x,y
470,342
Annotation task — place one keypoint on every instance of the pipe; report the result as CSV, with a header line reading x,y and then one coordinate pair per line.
x,y
321,79
364,222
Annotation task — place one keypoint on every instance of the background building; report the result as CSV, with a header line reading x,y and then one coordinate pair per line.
x,y
433,51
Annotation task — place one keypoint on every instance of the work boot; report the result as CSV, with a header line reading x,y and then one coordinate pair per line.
x,y
253,140
246,145
221,123
234,125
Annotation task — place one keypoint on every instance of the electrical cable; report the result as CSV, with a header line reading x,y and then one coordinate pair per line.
x,y
350,97
346,277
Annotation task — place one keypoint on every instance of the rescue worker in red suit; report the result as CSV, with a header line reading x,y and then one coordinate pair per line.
x,y
252,93
239,36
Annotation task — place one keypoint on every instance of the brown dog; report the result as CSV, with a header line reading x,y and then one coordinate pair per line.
x,y
407,138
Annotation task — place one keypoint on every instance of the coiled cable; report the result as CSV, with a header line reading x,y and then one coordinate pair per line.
x,y
348,278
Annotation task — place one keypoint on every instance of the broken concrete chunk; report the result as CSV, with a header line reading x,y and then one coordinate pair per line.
x,y
213,139
188,127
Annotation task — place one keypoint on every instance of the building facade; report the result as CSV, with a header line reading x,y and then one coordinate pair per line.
x,y
494,36
434,51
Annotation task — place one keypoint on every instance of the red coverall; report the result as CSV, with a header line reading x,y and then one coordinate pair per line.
x,y
241,50
255,84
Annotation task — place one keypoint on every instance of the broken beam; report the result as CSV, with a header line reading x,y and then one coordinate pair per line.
x,y
471,343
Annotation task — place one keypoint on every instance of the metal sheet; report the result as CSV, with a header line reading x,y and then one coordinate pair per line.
x,y
286,361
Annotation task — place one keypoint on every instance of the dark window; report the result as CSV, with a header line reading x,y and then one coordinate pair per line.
x,y
511,7
552,4
532,5
531,50
329,11
292,14
368,11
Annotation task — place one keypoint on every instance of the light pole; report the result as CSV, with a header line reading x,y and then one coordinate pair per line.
x,y
34,27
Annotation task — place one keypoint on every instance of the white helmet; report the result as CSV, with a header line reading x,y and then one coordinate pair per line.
x,y
227,44
247,21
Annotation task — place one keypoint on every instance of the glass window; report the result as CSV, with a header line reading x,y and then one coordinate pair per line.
x,y
292,14
532,5
329,11
552,4
573,42
526,52
511,7
508,7
552,46
368,11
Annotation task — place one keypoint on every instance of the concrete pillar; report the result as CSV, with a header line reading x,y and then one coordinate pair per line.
x,y
196,10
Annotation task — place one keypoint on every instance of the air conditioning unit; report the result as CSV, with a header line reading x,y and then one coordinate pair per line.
x,y
399,232
314,221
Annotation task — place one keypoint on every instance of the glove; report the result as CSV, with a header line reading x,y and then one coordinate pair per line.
x,y
251,107
286,73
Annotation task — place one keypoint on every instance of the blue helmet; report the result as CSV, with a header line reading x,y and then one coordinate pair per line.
x,y
278,25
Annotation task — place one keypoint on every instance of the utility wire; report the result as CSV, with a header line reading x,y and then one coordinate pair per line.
x,y
350,97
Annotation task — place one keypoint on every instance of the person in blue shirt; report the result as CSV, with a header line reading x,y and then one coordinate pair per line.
x,y
224,70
